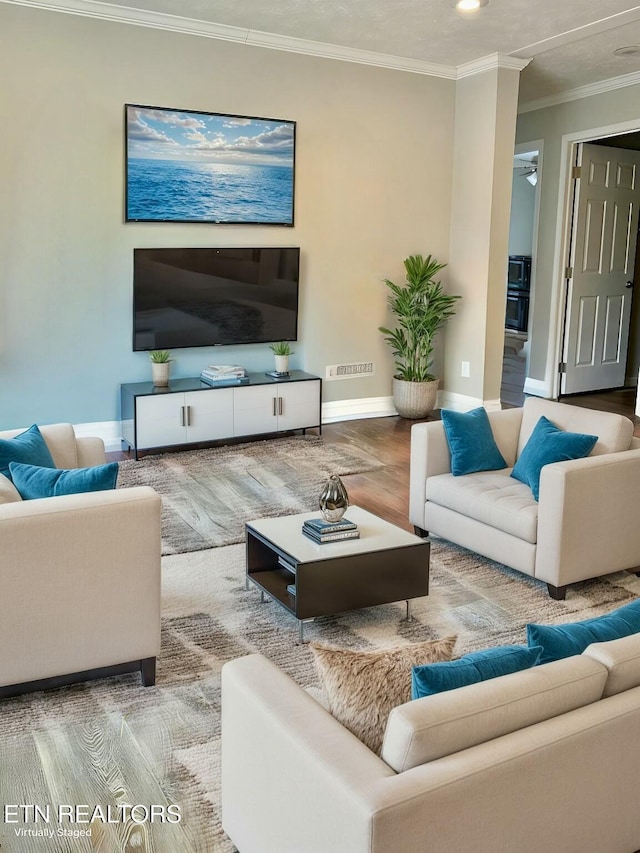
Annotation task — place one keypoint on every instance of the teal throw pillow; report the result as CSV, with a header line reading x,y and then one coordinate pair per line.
x,y
548,443
477,666
562,641
35,482
29,447
471,442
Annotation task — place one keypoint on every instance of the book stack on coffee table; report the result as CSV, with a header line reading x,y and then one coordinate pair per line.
x,y
321,531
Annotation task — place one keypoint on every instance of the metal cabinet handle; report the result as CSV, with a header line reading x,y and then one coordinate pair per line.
x,y
629,284
279,405
182,420
188,415
273,410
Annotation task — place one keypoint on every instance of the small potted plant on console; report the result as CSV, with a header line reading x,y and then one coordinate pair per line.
x,y
281,351
160,362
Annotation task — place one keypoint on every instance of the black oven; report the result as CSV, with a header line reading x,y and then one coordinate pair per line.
x,y
519,272
517,316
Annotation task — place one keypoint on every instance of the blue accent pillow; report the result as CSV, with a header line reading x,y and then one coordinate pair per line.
x,y
34,482
471,442
548,443
29,447
562,641
433,678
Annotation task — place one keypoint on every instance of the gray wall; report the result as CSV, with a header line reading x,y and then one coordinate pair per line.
x,y
373,185
523,203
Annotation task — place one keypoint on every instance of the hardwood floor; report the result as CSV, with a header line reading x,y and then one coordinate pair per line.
x,y
385,492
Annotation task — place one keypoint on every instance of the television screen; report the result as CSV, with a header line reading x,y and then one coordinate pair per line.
x,y
214,297
208,167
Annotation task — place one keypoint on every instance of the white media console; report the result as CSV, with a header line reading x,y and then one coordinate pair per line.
x,y
189,411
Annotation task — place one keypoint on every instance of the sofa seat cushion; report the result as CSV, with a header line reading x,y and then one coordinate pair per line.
x,y
430,728
491,497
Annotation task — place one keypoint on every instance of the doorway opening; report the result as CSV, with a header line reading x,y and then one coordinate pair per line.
x,y
520,268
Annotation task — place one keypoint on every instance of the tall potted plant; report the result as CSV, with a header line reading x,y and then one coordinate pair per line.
x,y
421,308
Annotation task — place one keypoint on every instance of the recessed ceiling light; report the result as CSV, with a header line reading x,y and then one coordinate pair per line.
x,y
629,50
470,5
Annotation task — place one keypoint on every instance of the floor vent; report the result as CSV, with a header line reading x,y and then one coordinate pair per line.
x,y
355,370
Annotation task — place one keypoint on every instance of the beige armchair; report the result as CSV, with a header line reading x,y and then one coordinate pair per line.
x,y
585,523
80,578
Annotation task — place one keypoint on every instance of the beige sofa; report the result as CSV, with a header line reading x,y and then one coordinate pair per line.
x,y
542,761
80,578
585,523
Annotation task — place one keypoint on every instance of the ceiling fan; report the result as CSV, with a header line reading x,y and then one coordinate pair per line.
x,y
527,168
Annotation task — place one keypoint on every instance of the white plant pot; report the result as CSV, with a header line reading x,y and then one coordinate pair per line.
x,y
282,363
160,373
414,399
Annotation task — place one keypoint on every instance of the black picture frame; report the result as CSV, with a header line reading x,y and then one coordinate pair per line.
x,y
193,166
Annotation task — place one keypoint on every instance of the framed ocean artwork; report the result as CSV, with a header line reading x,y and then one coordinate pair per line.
x,y
187,166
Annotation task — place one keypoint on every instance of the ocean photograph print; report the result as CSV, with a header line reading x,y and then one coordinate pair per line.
x,y
208,167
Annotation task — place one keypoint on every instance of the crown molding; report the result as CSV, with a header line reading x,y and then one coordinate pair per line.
x,y
489,62
255,38
587,91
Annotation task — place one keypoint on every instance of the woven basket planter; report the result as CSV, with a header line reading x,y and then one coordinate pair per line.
x,y
414,399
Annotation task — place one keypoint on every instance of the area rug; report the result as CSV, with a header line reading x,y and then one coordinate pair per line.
x,y
112,741
208,495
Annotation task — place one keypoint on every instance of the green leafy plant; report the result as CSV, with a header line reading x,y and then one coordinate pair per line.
x,y
421,308
160,356
281,348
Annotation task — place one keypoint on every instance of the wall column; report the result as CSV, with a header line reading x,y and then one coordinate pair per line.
x,y
484,141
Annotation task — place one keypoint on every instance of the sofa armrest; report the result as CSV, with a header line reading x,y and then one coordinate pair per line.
x,y
588,517
429,456
90,451
290,771
90,562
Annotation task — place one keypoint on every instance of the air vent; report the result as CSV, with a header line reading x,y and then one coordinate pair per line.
x,y
355,370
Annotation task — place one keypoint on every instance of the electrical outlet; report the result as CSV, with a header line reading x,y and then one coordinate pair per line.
x,y
464,371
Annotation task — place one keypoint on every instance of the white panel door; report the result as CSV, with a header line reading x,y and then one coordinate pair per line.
x,y
160,420
255,409
298,405
209,414
598,310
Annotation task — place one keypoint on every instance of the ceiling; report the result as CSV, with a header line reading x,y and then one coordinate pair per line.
x,y
570,42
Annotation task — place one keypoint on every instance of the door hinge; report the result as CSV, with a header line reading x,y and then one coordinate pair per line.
x,y
568,272
562,367
576,172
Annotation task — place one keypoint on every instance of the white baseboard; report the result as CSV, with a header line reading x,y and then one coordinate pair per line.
x,y
458,402
537,388
109,431
363,407
340,410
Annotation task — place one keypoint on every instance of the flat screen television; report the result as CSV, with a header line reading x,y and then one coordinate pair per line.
x,y
214,297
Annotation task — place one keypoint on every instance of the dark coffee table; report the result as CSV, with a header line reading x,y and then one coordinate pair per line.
x,y
385,564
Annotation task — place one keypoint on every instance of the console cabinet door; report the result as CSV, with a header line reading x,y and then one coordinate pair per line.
x,y
160,420
298,405
209,414
255,409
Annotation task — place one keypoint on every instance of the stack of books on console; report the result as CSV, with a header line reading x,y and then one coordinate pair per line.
x,y
322,531
215,374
